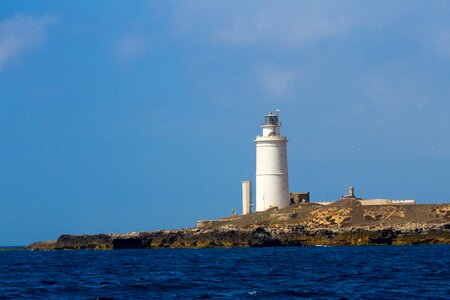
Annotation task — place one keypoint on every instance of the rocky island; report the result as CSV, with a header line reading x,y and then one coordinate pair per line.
x,y
345,222
298,222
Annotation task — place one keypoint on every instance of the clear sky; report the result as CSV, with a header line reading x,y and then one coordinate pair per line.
x,y
119,116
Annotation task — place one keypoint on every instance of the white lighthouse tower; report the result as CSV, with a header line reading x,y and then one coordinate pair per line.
x,y
272,188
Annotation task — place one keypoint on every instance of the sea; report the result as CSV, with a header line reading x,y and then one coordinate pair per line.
x,y
362,272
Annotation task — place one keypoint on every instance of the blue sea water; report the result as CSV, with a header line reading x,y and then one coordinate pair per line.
x,y
370,272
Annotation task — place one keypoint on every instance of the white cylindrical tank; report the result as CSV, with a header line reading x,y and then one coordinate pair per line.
x,y
272,188
246,196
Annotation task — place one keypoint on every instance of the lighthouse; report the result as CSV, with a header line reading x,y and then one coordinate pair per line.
x,y
272,188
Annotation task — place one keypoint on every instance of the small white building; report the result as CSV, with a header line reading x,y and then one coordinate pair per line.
x,y
387,202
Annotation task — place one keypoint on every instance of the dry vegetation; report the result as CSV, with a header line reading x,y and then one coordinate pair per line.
x,y
340,214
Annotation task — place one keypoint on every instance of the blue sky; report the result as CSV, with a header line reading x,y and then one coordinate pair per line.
x,y
119,117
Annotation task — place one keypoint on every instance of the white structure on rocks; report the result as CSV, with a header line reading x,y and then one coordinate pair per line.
x,y
246,197
272,188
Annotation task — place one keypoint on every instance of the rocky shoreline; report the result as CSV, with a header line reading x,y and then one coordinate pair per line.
x,y
345,223
254,237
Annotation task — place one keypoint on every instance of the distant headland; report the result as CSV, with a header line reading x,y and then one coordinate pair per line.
x,y
343,223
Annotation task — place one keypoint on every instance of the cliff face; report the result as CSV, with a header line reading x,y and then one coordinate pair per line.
x,y
343,223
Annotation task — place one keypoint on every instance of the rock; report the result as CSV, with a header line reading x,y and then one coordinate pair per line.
x,y
299,225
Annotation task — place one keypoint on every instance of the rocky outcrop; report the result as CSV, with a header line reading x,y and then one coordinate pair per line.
x,y
345,223
78,242
255,237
